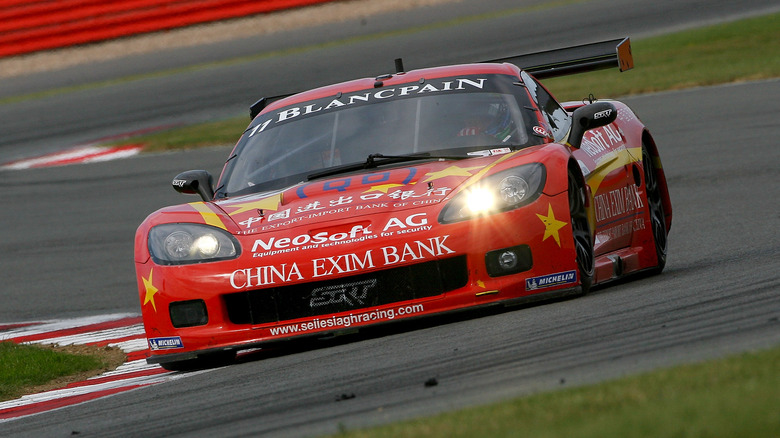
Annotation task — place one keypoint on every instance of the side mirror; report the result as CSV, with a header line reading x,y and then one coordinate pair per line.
x,y
589,117
195,181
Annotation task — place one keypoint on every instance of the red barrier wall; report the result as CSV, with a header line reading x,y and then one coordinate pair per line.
x,y
33,25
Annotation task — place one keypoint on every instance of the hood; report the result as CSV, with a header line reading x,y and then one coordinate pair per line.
x,y
356,195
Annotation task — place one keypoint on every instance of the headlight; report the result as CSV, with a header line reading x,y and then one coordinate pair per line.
x,y
177,244
496,193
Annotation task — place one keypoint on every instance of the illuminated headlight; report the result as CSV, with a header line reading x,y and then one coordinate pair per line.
x,y
497,193
175,244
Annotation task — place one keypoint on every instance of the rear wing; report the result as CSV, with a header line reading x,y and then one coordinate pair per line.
x,y
575,59
547,64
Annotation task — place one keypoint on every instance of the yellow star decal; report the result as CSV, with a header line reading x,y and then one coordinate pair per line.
x,y
551,225
150,290
451,171
384,188
269,203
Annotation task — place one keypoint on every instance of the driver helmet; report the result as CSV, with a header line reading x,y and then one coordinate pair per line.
x,y
493,119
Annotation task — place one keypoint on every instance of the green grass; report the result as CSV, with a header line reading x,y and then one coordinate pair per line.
x,y
214,133
25,366
744,50
734,397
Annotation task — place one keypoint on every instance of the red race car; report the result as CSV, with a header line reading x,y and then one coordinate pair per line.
x,y
406,195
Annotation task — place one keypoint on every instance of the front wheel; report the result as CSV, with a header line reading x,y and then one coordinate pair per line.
x,y
656,206
583,239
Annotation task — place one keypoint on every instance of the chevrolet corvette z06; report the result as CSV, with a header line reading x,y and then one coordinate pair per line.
x,y
410,194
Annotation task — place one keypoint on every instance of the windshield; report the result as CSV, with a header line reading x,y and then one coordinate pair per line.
x,y
449,116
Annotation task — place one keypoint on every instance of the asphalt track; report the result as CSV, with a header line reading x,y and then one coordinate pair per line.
x,y
67,245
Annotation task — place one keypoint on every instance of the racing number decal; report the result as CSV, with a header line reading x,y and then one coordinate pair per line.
x,y
341,185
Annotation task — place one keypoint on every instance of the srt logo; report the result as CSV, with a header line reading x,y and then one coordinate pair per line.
x,y
350,294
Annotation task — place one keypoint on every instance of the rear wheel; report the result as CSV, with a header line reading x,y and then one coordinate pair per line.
x,y
656,207
583,239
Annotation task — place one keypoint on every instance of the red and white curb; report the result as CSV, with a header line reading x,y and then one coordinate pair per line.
x,y
81,154
124,331
89,152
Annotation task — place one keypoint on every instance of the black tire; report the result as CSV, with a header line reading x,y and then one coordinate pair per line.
x,y
583,238
655,206
209,360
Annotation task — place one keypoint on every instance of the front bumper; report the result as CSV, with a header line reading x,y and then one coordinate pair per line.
x,y
251,301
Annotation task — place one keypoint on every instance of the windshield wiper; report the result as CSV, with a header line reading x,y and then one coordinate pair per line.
x,y
375,160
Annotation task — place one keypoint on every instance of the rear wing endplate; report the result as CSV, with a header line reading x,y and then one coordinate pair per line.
x,y
575,59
